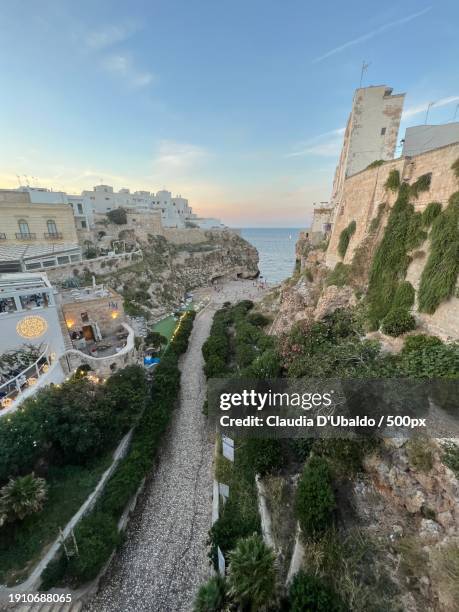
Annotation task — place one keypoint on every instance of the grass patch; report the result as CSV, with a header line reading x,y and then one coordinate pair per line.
x,y
22,544
393,180
165,327
345,238
421,184
420,453
439,277
340,275
451,457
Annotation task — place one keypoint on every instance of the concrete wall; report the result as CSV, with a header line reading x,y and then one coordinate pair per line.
x,y
422,138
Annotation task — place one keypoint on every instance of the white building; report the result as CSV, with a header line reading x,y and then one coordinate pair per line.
x,y
82,210
422,138
371,133
29,316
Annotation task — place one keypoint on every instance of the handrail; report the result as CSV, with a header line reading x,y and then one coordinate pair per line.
x,y
15,380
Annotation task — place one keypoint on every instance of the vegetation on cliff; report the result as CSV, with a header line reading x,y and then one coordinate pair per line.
x,y
345,238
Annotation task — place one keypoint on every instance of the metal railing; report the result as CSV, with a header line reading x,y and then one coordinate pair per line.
x,y
53,236
24,236
28,377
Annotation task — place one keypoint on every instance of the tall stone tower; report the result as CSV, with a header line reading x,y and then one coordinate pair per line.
x,y
371,133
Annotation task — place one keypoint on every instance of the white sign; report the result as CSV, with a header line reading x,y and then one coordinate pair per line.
x,y
228,448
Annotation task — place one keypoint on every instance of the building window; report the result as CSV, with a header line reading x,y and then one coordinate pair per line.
x,y
383,131
80,209
52,228
23,227
83,224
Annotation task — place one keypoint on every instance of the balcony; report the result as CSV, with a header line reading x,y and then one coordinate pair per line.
x,y
53,236
2,236
24,236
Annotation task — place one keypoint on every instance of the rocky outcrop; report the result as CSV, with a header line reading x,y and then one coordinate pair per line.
x,y
332,298
168,270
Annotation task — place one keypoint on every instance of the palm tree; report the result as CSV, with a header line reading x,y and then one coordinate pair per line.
x,y
252,574
211,596
21,496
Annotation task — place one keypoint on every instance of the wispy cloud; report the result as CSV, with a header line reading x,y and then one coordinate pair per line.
x,y
110,35
327,144
371,34
177,155
123,67
422,108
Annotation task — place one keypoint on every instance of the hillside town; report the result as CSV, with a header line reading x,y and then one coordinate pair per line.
x,y
109,299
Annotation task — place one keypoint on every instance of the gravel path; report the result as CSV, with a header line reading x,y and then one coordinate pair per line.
x,y
164,558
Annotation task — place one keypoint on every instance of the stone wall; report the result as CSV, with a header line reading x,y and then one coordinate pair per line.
x,y
97,266
107,312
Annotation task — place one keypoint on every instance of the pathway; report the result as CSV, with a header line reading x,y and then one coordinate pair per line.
x,y
164,558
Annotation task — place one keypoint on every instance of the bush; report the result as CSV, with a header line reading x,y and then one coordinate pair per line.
x,y
315,500
20,497
211,596
397,322
393,180
421,184
439,277
451,457
264,455
340,275
96,537
311,594
455,168
252,574
118,216
375,164
430,213
419,342
420,453
404,296
258,319
345,238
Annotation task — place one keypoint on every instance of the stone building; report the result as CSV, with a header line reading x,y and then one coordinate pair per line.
x,y
423,138
35,235
371,133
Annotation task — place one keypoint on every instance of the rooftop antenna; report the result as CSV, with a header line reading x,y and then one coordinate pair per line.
x,y
362,72
429,106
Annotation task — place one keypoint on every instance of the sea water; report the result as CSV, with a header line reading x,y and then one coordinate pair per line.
x,y
276,248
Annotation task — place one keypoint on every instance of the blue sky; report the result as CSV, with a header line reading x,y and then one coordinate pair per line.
x,y
238,105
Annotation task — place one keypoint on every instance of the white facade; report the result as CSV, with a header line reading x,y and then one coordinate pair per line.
x,y
371,133
422,138
82,211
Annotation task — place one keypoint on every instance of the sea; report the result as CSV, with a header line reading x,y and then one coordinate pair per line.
x,y
276,248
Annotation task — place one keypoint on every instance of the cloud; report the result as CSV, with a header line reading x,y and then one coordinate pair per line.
x,y
371,34
327,144
123,67
422,108
176,155
110,35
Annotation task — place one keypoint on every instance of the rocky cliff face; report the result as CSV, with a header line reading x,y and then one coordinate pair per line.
x,y
168,270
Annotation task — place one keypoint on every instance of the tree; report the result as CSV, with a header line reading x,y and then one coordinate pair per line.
x,y
252,574
315,500
211,596
21,496
155,340
309,593
117,216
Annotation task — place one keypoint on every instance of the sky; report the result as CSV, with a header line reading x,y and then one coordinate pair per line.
x,y
238,105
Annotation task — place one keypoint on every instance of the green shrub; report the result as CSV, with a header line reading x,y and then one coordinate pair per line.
x,y
420,453
345,238
433,360
96,537
375,164
340,275
397,322
419,342
404,295
311,594
393,180
54,572
211,596
315,500
252,574
451,457
118,216
344,454
439,277
421,184
21,497
265,455
258,319
376,221
430,213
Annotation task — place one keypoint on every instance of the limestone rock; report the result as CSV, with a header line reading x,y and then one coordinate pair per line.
x,y
332,299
